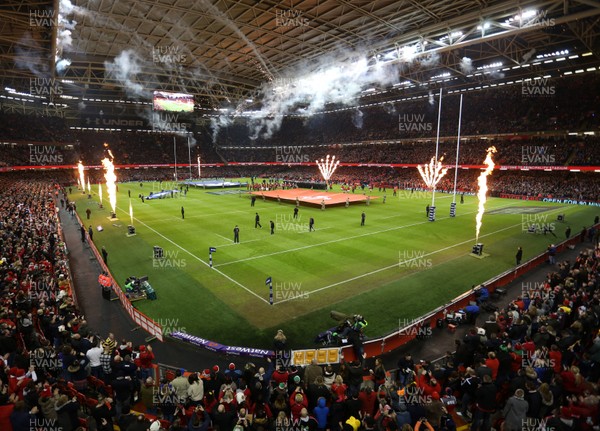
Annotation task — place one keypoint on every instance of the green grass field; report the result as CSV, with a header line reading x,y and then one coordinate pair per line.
x,y
396,267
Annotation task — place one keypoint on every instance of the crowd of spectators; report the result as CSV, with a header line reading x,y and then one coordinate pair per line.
x,y
536,361
572,108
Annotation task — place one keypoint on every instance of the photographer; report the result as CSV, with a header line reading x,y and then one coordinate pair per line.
x,y
243,422
200,421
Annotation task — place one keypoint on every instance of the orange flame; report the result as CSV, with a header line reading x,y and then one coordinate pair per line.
x,y
81,176
111,181
483,188
89,187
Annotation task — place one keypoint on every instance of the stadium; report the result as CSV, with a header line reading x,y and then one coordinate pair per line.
x,y
299,216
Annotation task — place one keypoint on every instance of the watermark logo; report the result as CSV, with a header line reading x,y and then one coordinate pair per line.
x,y
170,325
289,290
44,154
414,123
416,395
538,19
290,18
536,154
168,55
42,18
165,396
290,154
169,122
289,223
170,259
538,87
534,424
45,424
413,194
536,290
293,425
45,87
41,291
414,259
537,223
46,360
414,328
538,359
283,358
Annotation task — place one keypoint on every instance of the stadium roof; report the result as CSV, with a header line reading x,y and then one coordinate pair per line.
x,y
228,52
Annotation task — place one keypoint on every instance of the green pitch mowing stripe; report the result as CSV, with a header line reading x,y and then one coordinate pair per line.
x,y
397,266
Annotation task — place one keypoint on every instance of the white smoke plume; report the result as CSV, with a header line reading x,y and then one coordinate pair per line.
x,y
28,56
389,108
430,60
358,119
62,64
332,81
466,65
528,55
64,35
125,68
217,123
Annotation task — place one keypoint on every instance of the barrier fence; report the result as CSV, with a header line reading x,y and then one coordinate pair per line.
x,y
143,321
372,348
402,336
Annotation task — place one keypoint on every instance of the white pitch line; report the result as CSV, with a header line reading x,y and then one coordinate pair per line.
x,y
245,242
197,258
334,241
225,238
199,216
320,229
406,261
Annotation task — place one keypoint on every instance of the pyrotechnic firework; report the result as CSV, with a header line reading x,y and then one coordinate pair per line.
x,y
111,181
327,167
100,192
81,176
432,173
483,188
89,187
130,212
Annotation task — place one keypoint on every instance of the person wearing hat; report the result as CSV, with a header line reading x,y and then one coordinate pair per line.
x,y
106,361
233,373
280,375
145,360
77,375
218,376
321,412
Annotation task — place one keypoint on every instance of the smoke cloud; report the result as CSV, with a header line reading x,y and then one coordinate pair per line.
x,y
358,119
125,68
466,65
330,81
